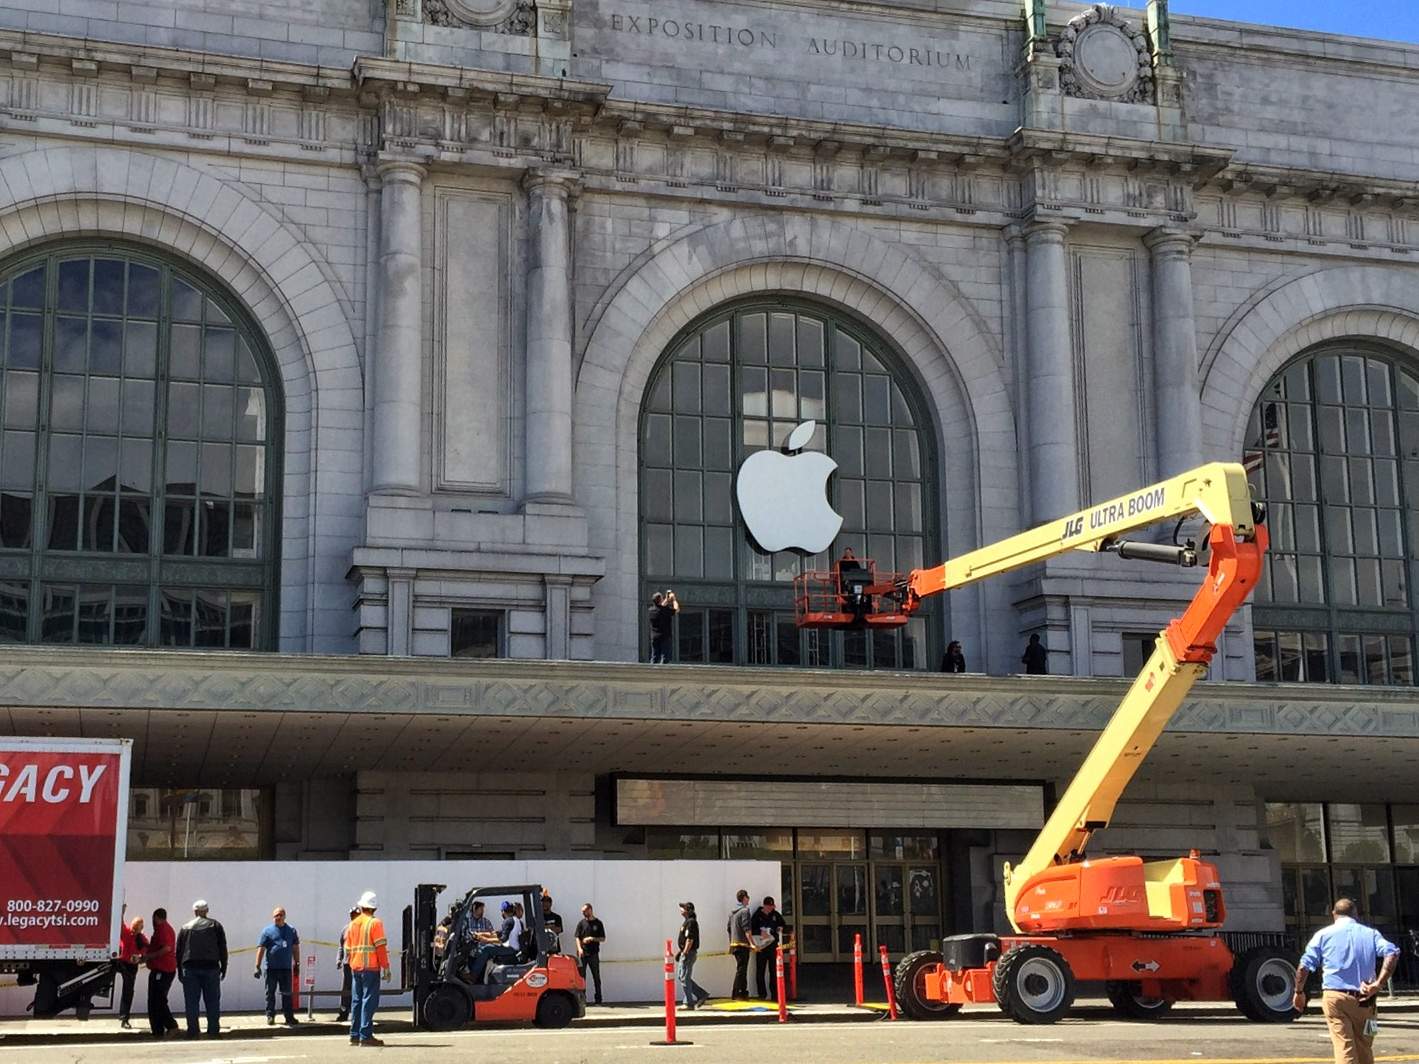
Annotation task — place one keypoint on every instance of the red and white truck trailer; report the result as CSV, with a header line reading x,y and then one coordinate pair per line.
x,y
63,836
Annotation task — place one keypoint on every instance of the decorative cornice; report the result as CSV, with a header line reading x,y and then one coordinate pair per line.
x,y
181,682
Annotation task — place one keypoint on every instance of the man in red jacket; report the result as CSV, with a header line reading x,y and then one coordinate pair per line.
x,y
162,970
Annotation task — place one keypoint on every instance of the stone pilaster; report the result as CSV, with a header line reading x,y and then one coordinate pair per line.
x,y
1049,400
1178,416
397,371
549,338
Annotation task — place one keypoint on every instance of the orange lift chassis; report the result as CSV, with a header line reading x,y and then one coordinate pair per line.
x,y
1149,930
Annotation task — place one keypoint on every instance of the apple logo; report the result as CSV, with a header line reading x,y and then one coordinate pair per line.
x,y
783,496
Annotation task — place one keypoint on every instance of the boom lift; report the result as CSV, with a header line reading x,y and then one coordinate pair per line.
x,y
1148,929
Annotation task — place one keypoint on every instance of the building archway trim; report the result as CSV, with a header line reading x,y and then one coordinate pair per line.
x,y
1363,302
954,356
73,192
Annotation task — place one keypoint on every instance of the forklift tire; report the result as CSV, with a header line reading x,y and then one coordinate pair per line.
x,y
1262,981
1033,984
909,986
1128,1001
447,1008
555,1011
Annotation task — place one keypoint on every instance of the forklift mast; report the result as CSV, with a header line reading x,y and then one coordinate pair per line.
x,y
1054,888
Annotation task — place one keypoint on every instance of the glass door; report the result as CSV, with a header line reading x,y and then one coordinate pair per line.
x,y
815,912
850,916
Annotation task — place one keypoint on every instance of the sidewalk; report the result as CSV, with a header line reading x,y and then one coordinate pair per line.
x,y
396,1020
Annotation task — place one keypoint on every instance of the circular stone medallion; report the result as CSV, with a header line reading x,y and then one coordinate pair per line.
x,y
481,12
1106,60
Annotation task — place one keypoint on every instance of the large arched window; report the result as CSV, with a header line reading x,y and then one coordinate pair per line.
x,y
1333,448
738,381
138,460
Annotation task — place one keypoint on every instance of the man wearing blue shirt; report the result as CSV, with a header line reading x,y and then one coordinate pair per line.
x,y
280,944
1347,954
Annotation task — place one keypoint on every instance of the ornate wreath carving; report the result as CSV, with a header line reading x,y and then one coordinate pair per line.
x,y
516,17
1103,56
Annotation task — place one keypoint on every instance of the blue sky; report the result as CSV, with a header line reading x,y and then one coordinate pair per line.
x,y
1394,19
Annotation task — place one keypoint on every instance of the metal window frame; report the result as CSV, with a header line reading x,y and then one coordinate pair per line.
x,y
38,566
1330,619
746,595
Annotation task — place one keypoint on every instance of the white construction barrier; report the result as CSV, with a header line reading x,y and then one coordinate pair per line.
x,y
638,901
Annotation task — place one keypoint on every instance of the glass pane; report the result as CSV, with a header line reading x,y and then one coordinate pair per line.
x,y
134,524
670,844
21,409
219,354
71,345
719,553
893,936
216,469
716,396
179,526
1375,671
686,388
106,347
921,888
715,343
175,619
1296,831
215,538
690,635
57,614
782,329
142,291
16,520
24,350
753,343
758,845
210,617
217,407
788,642
66,403
688,502
1372,888
1350,666
14,612
689,551
900,847
185,353
721,637
108,286
1316,648
1406,833
833,845
140,349
130,616
852,889
889,889
814,884
1399,660
183,414
1358,833
138,408
74,285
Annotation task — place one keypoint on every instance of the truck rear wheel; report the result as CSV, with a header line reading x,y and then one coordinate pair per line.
x,y
1262,982
1033,984
1128,999
909,986
447,1008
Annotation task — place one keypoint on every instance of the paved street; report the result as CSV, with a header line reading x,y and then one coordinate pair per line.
x,y
1180,1041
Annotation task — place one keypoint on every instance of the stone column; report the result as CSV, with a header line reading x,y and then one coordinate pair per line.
x,y
1049,384
398,355
1178,416
549,338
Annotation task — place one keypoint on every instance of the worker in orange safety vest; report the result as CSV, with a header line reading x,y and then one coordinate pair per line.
x,y
367,954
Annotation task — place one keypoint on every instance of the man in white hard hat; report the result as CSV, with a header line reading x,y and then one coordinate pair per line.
x,y
367,954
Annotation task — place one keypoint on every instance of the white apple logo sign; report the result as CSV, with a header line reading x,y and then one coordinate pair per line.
x,y
784,496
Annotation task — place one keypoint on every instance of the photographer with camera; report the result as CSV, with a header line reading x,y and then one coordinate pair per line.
x,y
663,608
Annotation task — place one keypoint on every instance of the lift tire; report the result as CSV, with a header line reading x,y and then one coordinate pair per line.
x,y
447,1008
1262,981
1033,984
1127,999
909,986
555,1010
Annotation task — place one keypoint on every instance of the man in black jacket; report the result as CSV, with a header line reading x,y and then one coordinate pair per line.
x,y
201,967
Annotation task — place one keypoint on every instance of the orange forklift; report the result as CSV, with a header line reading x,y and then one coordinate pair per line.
x,y
456,986
1148,930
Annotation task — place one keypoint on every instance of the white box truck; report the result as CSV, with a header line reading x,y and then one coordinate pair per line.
x,y
63,837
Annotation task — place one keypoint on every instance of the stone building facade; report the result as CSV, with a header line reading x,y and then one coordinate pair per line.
x,y
483,253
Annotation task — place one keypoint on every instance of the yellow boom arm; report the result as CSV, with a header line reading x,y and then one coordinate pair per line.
x,y
1220,493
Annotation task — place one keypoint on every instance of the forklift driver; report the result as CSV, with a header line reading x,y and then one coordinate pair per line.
x,y
501,948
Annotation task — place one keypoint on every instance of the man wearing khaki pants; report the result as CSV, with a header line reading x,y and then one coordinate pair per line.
x,y
1346,953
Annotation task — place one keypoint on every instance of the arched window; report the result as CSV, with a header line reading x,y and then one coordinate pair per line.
x,y
138,458
738,381
1333,449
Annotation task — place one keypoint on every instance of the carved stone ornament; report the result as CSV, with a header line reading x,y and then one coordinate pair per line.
x,y
1103,56
499,16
